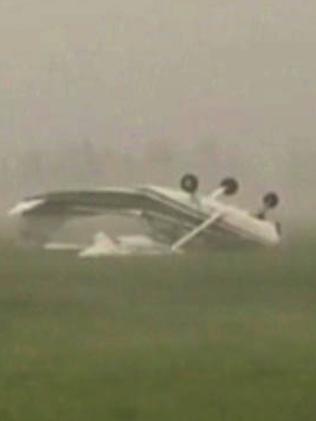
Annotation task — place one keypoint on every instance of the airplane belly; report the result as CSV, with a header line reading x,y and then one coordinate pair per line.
x,y
234,229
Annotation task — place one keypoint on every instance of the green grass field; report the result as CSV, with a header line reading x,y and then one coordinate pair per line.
x,y
230,336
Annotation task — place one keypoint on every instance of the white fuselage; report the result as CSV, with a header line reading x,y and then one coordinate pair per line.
x,y
233,219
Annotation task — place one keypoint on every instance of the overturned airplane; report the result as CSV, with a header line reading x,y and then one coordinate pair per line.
x,y
177,219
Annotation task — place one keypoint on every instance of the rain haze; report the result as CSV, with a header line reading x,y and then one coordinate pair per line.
x,y
121,93
146,304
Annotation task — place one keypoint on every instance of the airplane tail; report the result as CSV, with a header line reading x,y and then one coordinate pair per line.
x,y
102,245
100,238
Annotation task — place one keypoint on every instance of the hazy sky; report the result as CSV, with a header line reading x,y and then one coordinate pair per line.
x,y
240,73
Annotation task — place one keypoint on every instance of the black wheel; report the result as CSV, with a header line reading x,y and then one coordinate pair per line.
x,y
231,186
271,200
190,183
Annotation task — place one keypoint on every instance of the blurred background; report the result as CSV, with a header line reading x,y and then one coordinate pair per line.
x,y
108,92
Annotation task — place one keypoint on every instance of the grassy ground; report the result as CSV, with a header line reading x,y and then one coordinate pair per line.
x,y
226,337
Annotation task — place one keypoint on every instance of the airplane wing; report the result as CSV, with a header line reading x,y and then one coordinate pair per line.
x,y
44,214
70,204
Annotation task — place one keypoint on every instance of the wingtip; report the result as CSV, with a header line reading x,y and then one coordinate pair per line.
x,y
25,206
